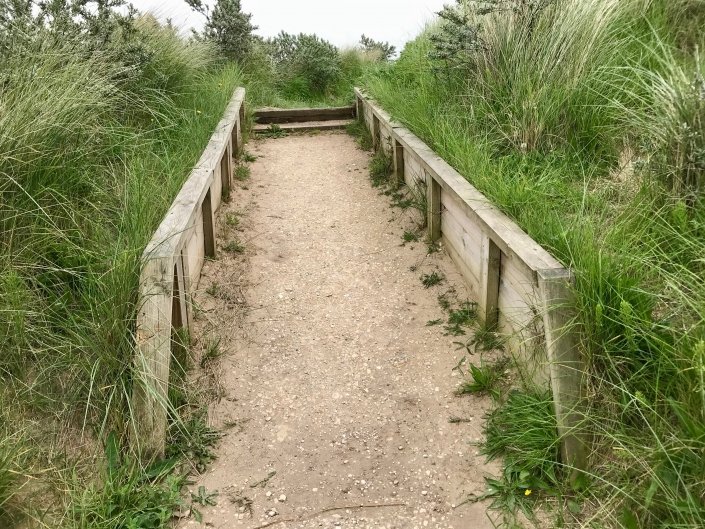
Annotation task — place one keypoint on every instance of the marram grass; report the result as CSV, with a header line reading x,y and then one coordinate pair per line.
x,y
585,125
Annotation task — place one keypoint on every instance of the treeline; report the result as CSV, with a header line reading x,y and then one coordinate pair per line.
x,y
289,70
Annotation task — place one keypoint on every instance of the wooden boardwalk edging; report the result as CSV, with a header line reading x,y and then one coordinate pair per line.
x,y
171,269
266,116
521,289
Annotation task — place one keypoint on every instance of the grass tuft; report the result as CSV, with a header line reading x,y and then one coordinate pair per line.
x,y
432,279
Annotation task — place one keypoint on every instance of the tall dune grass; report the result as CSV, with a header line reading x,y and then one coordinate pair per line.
x,y
94,145
586,127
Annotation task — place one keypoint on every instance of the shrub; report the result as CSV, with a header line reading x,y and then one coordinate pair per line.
x,y
306,65
383,51
230,29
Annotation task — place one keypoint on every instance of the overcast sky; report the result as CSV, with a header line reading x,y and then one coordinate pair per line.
x,y
339,21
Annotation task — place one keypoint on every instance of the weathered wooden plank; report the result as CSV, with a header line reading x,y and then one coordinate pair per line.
x,y
172,262
413,173
503,231
225,174
195,252
294,115
472,231
306,126
153,354
566,365
433,205
491,257
398,158
208,227
456,255
376,140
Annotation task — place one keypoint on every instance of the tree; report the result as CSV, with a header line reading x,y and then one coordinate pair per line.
x,y
227,26
307,61
384,49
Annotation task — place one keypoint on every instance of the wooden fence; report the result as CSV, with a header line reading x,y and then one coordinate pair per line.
x,y
171,269
522,291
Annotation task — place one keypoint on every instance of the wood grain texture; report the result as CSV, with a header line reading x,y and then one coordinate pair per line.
x,y
566,366
295,115
433,205
305,126
171,266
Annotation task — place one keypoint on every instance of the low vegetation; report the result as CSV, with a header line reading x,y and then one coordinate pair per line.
x,y
584,121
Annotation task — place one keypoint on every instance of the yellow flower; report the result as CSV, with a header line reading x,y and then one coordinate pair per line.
x,y
198,111
528,492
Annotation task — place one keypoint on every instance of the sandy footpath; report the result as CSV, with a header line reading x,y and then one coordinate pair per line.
x,y
335,394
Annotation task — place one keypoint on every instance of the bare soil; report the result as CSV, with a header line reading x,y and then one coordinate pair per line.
x,y
335,394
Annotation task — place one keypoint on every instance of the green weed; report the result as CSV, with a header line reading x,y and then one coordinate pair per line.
x,y
242,173
461,318
486,378
432,279
380,168
274,131
522,431
211,352
193,440
410,236
443,300
232,220
128,496
487,339
234,247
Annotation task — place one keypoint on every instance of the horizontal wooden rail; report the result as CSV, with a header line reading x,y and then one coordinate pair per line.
x,y
171,268
267,116
521,289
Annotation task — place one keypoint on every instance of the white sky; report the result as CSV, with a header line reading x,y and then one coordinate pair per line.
x,y
339,21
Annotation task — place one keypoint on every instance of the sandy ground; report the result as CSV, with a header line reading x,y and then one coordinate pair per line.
x,y
335,394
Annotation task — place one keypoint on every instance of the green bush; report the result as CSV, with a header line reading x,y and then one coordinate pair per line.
x,y
306,65
229,28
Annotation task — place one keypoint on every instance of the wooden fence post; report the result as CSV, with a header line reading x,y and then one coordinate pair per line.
x,y
398,154
376,136
566,367
433,206
491,257
225,175
153,336
237,139
208,226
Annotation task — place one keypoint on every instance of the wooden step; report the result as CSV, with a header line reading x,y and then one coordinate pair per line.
x,y
299,115
304,126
